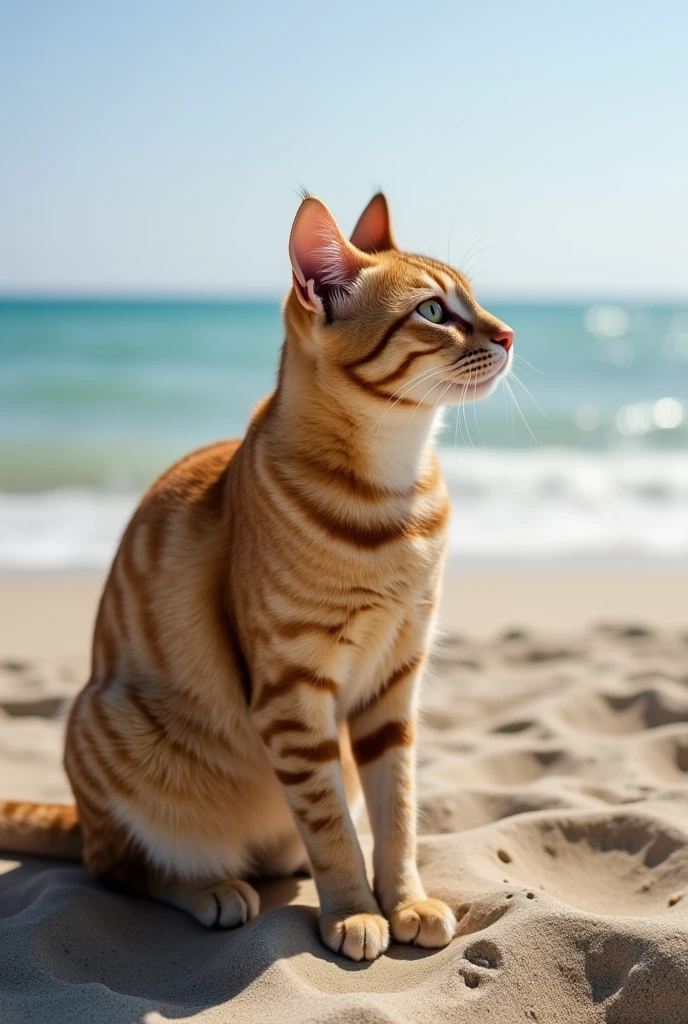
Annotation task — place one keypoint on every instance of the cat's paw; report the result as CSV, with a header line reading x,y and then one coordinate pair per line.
x,y
360,937
427,922
225,904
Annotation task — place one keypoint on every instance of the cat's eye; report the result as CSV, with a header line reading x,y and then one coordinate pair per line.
x,y
433,310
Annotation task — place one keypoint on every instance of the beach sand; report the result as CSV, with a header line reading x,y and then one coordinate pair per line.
x,y
553,785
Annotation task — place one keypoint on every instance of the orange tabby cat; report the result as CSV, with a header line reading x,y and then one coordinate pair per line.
x,y
261,636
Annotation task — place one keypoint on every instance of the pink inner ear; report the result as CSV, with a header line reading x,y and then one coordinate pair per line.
x,y
373,231
318,250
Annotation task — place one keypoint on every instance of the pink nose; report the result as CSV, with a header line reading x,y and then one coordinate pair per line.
x,y
505,338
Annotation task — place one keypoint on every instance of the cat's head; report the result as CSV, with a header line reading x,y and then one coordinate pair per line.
x,y
397,325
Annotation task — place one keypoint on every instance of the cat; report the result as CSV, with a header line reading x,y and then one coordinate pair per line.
x,y
261,636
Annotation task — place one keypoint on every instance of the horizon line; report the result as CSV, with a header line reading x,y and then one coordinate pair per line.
x,y
182,296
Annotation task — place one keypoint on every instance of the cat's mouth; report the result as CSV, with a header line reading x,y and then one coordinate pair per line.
x,y
468,390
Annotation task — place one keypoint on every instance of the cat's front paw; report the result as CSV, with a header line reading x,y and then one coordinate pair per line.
x,y
360,937
427,922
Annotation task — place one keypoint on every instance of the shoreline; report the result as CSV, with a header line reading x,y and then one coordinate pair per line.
x,y
49,614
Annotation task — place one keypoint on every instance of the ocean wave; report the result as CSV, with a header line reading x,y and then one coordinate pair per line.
x,y
506,505
559,503
70,528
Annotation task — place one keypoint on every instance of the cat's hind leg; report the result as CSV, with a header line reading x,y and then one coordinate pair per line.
x,y
112,858
214,902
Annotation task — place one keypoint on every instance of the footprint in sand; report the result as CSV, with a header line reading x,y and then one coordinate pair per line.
x,y
635,985
484,953
624,865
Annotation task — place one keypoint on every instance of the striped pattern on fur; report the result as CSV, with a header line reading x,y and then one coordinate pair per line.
x,y
262,633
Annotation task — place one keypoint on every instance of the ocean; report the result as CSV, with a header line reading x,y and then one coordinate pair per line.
x,y
97,397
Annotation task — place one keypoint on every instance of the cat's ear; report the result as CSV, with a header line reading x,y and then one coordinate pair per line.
x,y
322,260
373,231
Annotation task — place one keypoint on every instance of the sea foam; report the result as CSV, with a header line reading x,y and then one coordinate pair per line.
x,y
506,505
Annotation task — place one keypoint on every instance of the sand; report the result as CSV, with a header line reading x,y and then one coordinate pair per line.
x,y
553,781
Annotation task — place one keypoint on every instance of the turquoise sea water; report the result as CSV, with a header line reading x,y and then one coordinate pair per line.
x,y
96,398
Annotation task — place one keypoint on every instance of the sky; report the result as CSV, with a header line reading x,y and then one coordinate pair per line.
x,y
157,147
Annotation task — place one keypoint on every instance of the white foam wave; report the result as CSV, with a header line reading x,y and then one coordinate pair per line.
x,y
559,503
515,505
68,528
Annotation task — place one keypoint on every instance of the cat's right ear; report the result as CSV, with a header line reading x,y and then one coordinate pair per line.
x,y
322,260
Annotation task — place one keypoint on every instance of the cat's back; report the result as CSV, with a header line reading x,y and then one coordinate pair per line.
x,y
165,587
192,486
152,739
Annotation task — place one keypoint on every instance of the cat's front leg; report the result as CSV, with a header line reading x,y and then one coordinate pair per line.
x,y
383,740
296,718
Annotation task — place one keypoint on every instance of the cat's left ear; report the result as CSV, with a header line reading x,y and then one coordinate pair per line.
x,y
373,231
323,262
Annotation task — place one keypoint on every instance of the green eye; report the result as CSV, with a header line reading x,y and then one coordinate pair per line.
x,y
432,310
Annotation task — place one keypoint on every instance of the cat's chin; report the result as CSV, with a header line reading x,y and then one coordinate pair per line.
x,y
458,392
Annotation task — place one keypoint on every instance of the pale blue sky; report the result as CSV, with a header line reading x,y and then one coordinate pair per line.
x,y
156,146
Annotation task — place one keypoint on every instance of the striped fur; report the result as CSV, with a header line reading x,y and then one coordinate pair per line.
x,y
264,626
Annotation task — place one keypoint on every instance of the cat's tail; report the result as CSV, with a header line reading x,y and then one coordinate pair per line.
x,y
50,830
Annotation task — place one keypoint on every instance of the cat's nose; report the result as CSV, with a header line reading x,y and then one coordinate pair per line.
x,y
505,338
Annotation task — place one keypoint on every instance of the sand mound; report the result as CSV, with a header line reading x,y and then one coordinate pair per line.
x,y
553,777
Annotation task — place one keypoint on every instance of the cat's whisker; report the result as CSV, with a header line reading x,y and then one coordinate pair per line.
x,y
520,411
458,432
428,244
413,241
475,415
530,395
477,242
509,408
471,267
465,418
451,229
449,385
404,389
456,429
435,385
408,386
518,356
